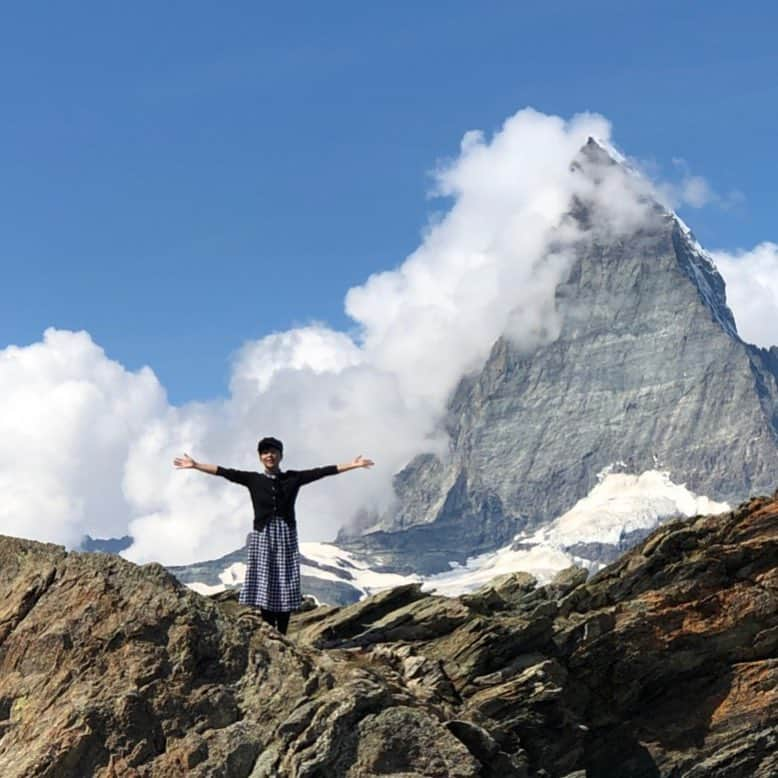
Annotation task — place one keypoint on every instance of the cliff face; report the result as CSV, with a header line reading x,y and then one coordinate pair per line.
x,y
662,664
647,372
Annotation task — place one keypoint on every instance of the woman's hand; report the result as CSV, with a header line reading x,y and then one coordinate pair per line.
x,y
359,461
187,463
184,462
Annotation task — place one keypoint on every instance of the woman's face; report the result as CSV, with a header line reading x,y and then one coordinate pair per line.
x,y
270,458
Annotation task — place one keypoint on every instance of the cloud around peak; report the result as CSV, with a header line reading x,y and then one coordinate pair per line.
x,y
751,277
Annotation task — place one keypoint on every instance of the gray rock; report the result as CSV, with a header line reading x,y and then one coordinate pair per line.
x,y
408,742
340,625
567,579
501,593
486,749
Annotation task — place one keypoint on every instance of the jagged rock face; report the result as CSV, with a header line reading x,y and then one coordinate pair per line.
x,y
108,669
662,664
647,371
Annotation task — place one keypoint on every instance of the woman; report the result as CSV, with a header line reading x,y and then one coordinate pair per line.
x,y
272,581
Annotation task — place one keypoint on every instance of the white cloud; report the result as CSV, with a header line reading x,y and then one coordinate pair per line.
x,y
313,348
752,291
86,446
691,189
68,419
479,267
696,191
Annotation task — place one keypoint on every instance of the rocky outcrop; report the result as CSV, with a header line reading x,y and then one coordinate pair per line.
x,y
664,663
109,669
648,371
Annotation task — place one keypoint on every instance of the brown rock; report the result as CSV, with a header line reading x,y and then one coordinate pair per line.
x,y
663,663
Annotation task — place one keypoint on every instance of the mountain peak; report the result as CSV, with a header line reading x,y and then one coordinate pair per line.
x,y
647,368
600,151
597,156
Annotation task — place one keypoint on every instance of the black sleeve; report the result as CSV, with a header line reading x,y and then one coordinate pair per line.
x,y
307,476
237,476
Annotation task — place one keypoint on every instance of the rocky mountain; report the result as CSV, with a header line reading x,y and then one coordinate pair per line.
x,y
663,664
648,374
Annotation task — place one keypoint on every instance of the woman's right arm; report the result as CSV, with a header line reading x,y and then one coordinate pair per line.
x,y
243,477
187,463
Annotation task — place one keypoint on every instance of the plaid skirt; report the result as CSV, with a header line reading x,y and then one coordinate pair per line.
x,y
273,570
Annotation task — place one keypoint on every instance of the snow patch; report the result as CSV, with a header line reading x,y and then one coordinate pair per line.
x,y
233,575
621,503
356,572
544,562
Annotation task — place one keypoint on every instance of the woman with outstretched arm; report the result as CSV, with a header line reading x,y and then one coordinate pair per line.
x,y
272,581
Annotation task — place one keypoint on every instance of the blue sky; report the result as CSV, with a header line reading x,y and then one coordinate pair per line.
x,y
178,179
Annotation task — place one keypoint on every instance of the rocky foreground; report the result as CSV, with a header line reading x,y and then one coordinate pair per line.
x,y
663,664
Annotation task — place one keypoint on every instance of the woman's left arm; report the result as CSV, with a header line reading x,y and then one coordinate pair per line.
x,y
359,461
303,477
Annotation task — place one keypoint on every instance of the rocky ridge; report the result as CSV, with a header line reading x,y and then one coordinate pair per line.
x,y
663,664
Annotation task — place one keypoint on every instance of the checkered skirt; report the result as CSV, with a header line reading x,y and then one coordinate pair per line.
x,y
273,570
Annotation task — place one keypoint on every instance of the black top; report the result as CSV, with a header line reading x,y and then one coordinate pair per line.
x,y
274,496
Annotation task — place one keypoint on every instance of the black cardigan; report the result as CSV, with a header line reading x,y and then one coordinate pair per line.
x,y
274,496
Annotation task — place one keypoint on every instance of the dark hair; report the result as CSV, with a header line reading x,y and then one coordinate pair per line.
x,y
268,443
